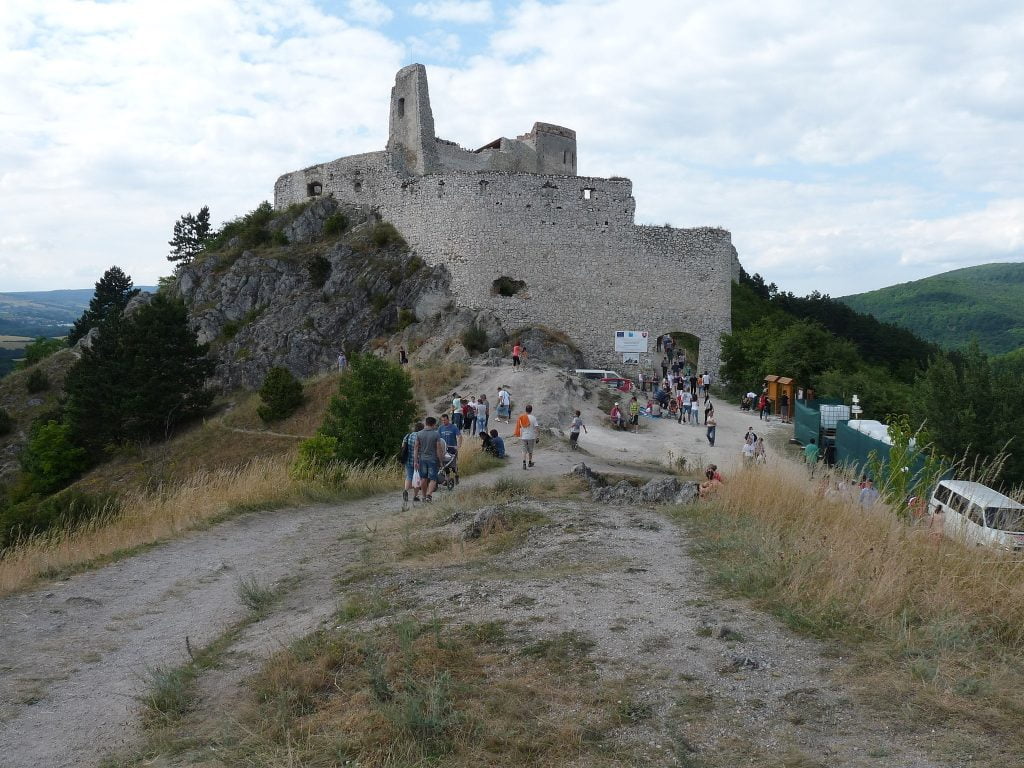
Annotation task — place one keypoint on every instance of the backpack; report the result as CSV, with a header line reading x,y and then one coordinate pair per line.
x,y
403,455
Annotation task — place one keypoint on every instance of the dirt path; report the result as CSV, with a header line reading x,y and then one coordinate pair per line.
x,y
74,654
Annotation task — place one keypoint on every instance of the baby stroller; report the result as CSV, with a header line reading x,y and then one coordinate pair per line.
x,y
448,476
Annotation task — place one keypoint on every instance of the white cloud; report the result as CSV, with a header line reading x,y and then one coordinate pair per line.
x,y
456,11
846,146
119,117
370,11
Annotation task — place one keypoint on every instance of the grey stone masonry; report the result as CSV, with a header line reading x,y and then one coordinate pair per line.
x,y
508,210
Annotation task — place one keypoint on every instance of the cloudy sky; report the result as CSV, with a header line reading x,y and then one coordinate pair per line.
x,y
846,146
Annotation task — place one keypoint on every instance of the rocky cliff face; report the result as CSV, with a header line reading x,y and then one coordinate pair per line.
x,y
300,304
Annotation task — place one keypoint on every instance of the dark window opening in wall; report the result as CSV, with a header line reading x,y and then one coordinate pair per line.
x,y
565,156
483,187
588,193
357,185
401,107
606,223
507,286
314,188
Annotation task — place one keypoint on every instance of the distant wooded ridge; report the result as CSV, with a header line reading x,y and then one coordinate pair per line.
x,y
984,303
44,313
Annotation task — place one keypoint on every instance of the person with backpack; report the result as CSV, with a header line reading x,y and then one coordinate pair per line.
x,y
407,457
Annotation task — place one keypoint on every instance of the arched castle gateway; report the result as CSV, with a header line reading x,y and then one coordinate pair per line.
x,y
515,208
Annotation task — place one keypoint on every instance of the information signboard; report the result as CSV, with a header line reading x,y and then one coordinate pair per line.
x,y
631,341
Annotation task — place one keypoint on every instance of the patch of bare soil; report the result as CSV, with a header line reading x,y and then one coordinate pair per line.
x,y
714,682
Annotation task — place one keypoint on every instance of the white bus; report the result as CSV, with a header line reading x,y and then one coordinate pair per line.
x,y
976,514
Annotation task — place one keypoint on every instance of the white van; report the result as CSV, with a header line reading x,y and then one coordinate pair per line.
x,y
976,514
596,373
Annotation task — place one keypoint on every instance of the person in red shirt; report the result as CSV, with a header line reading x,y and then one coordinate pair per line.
x,y
518,353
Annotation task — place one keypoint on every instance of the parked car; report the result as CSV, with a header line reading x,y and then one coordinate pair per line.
x,y
976,514
596,373
618,383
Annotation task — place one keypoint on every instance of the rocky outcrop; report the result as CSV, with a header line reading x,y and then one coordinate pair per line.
x,y
660,490
299,305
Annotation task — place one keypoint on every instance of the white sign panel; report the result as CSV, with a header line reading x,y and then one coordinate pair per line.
x,y
631,357
631,341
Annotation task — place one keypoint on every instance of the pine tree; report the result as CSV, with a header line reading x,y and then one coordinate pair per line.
x,y
143,376
113,292
190,236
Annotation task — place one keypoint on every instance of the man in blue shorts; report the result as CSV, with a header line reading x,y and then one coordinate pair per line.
x,y
429,453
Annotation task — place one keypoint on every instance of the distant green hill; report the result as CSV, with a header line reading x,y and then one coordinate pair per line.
x,y
44,313
984,302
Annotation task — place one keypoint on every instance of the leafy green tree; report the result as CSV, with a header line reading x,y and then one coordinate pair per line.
x,y
143,376
372,410
190,236
51,459
281,394
40,349
113,292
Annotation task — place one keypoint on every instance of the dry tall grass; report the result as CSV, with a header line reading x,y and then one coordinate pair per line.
x,y
938,623
434,380
156,514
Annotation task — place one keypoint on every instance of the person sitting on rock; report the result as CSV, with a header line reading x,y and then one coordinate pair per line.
x,y
713,479
497,444
616,415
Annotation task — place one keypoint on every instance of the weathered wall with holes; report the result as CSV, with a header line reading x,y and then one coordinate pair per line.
x,y
588,268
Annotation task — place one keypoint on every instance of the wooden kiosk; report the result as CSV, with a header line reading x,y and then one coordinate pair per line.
x,y
777,387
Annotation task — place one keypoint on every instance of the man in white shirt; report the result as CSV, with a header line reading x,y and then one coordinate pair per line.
x,y
526,431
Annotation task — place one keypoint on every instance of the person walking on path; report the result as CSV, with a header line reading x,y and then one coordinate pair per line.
x,y
412,478
428,453
342,362
784,407
634,414
483,413
868,495
811,455
760,457
574,430
403,359
526,431
457,410
711,425
664,367
452,437
518,353
504,404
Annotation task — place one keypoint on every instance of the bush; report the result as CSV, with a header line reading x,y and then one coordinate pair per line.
x,y
41,348
51,460
67,509
384,234
371,412
250,229
317,461
335,224
278,237
37,381
319,270
406,317
474,339
6,422
281,394
507,286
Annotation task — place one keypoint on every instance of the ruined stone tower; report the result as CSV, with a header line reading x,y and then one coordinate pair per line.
x,y
515,208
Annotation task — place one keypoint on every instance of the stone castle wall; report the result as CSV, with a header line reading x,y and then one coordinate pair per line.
x,y
589,269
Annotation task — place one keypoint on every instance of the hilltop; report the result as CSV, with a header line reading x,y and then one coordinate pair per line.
x,y
984,302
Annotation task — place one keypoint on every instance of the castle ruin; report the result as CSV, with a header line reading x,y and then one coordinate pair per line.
x,y
516,209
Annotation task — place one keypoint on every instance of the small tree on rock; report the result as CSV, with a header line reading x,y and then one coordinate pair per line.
x,y
113,292
190,236
372,411
281,394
